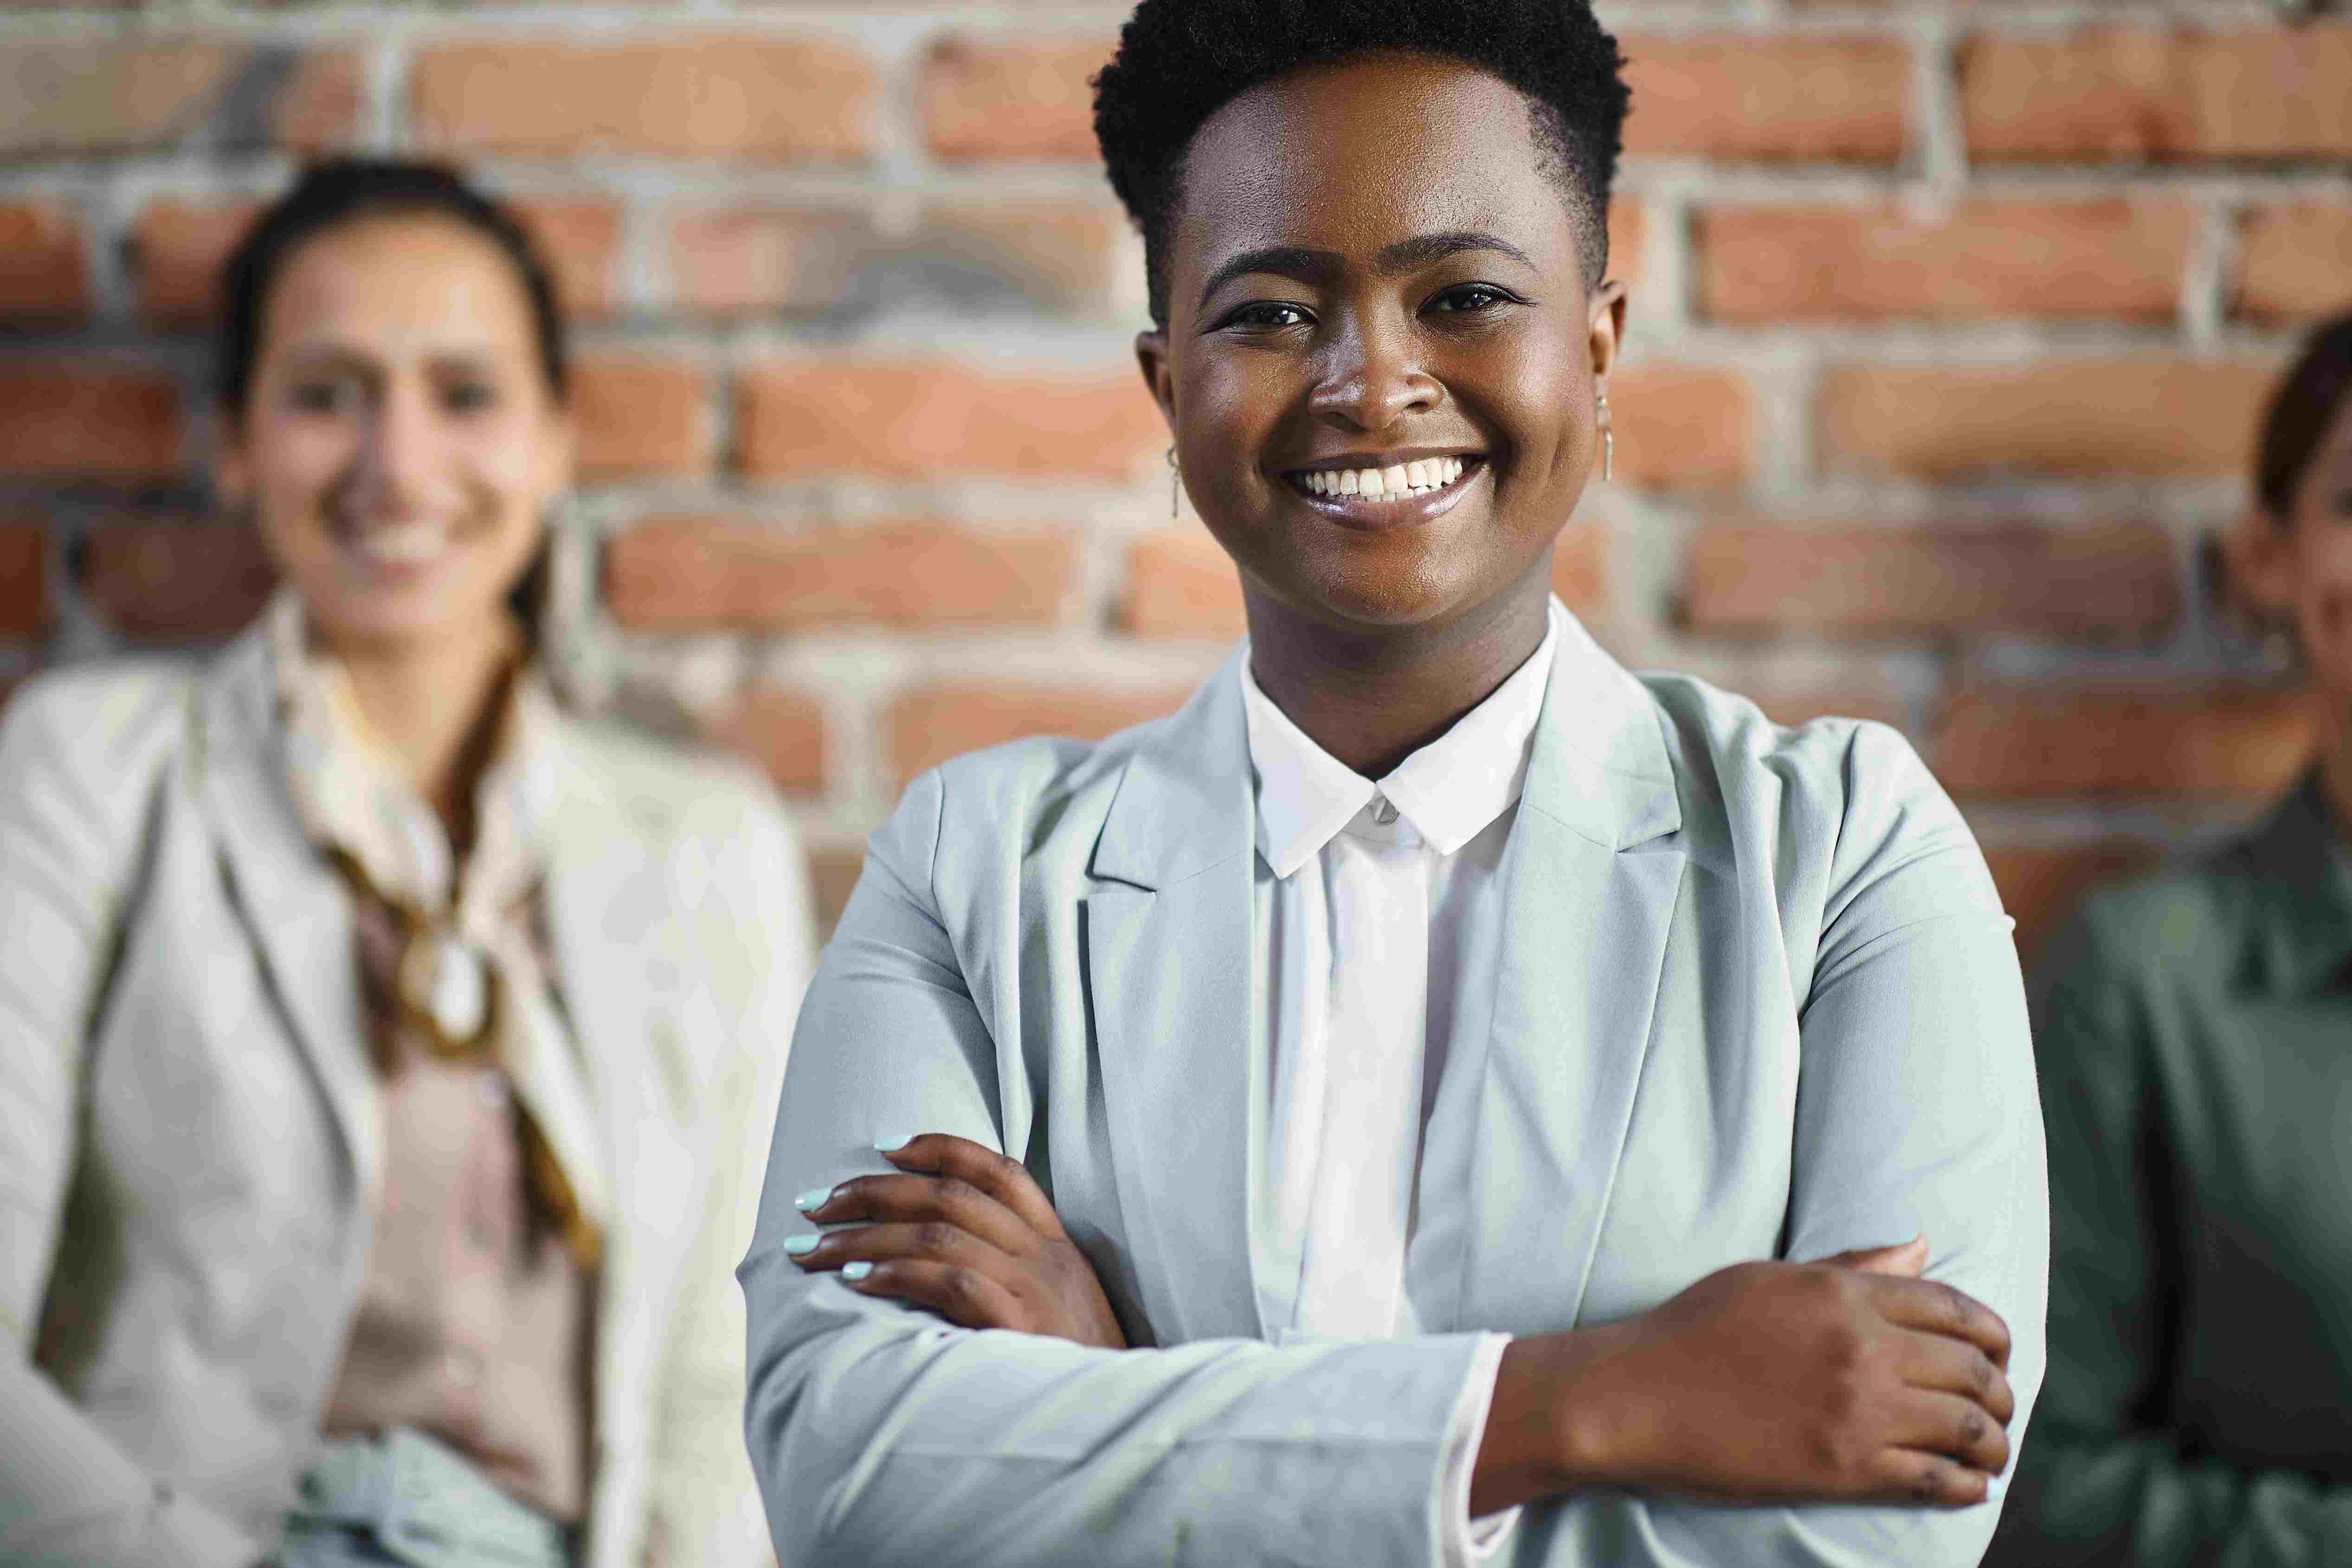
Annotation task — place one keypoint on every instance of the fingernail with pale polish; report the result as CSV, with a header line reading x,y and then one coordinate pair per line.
x,y
857,1270
801,1245
894,1143
813,1199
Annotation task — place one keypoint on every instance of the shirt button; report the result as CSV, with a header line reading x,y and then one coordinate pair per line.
x,y
1383,811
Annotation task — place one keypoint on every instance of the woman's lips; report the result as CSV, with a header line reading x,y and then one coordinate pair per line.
x,y
1390,507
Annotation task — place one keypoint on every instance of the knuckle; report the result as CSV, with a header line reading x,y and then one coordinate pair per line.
x,y
1930,1481
936,1237
954,1192
962,1286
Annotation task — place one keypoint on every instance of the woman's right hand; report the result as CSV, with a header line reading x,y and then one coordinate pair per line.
x,y
1851,1380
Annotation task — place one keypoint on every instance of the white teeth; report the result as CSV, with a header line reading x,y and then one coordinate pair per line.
x,y
1420,477
408,545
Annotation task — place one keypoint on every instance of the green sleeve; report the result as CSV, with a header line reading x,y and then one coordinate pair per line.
x,y
2101,1480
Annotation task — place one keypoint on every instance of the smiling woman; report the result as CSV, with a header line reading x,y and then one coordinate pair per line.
x,y
387,1053
1438,1094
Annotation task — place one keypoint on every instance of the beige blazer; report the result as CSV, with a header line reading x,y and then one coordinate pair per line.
x,y
1756,998
188,1117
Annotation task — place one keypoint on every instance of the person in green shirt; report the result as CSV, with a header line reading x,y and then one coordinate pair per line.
x,y
2194,1038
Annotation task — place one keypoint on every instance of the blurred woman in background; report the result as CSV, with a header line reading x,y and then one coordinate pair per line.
x,y
387,1056
2195,1041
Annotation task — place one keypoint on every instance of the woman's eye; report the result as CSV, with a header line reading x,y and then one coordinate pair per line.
x,y
1469,299
339,395
469,397
1267,316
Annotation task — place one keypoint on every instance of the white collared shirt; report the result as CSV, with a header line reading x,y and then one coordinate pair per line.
x,y
1379,907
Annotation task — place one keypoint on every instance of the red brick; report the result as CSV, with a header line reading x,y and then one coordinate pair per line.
x,y
582,242
2292,261
1181,587
2101,580
1988,258
692,574
1737,98
1629,239
177,248
1580,569
782,730
2234,743
24,578
2040,884
2143,95
833,877
1679,428
1793,704
105,95
2169,418
935,723
921,420
172,581
43,274
1055,256
741,261
60,418
639,417
1011,98
763,99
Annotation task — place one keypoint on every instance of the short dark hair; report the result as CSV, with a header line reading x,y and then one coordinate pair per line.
x,y
1179,61
2301,413
342,191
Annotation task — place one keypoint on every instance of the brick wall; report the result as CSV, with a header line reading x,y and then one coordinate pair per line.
x,y
1950,325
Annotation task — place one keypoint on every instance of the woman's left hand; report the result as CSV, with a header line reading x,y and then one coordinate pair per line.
x,y
966,1233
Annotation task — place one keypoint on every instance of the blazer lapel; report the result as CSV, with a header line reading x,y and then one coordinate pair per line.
x,y
291,901
1171,982
1590,901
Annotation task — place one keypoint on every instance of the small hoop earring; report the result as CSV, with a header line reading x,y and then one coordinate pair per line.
x,y
1607,444
1175,482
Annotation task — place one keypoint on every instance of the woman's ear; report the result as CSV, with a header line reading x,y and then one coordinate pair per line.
x,y
232,474
1151,356
2258,560
1605,328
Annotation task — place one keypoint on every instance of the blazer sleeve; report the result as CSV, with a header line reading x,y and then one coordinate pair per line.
x,y
68,1496
883,1436
704,1503
1915,1112
2101,1483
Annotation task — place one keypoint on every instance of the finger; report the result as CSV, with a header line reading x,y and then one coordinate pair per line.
x,y
1904,1260
962,1296
1910,1475
932,1239
1948,1425
1939,1309
1954,1366
915,1199
1000,1176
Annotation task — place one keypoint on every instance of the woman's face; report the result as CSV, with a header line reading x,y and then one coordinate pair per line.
x,y
1374,269
2298,569
399,445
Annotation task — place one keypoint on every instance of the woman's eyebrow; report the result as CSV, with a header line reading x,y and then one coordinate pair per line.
x,y
1317,265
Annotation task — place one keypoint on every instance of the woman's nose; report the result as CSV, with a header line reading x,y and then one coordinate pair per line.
x,y
392,471
1373,379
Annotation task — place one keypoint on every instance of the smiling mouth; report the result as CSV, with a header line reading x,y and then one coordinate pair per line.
x,y
1413,487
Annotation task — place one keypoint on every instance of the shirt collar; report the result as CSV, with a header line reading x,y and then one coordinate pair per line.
x,y
2303,869
1449,791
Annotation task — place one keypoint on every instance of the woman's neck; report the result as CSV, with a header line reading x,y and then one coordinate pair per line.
x,y
435,710
1371,700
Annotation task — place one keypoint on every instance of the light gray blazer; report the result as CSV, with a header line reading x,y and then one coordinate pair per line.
x,y
1757,999
188,1117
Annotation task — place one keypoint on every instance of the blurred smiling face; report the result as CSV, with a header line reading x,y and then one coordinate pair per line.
x,y
1381,360
399,445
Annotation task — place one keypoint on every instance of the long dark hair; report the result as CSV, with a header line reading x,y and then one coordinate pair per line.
x,y
340,192
2302,411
